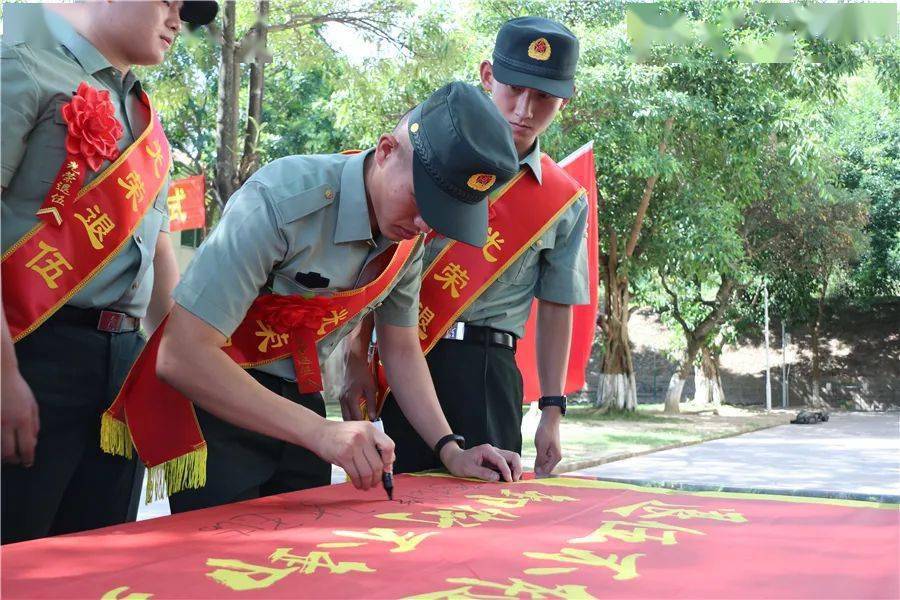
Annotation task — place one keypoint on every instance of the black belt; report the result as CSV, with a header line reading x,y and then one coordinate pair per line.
x,y
488,335
97,318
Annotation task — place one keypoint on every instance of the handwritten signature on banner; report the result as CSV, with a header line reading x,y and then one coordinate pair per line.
x,y
652,521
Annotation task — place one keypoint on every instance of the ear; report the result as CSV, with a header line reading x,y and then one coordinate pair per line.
x,y
387,145
486,70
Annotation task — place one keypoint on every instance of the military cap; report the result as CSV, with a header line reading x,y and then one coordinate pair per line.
x,y
536,53
198,12
463,150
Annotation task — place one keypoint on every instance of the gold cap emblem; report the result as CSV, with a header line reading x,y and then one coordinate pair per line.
x,y
481,181
539,49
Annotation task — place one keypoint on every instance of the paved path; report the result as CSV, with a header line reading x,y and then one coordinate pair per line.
x,y
853,455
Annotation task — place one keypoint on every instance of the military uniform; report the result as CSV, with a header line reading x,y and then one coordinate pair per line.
x,y
309,222
477,381
301,226
73,368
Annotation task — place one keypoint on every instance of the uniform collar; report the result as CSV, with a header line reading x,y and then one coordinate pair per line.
x,y
353,212
90,59
533,161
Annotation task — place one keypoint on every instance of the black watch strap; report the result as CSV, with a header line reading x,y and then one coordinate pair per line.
x,y
450,437
559,401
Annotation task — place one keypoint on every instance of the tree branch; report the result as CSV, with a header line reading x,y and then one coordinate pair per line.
x,y
676,311
648,191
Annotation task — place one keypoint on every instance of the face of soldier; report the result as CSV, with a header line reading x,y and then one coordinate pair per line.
x,y
528,111
392,191
139,32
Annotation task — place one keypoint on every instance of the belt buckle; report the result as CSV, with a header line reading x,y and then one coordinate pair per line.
x,y
111,321
457,331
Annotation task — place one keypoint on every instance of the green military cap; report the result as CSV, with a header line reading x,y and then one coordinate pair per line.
x,y
463,149
536,53
198,12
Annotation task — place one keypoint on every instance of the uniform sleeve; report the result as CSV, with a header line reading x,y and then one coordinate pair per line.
x,y
161,202
233,264
401,307
20,99
564,276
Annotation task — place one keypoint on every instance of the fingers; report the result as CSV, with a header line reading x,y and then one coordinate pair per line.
x,y
491,458
546,460
350,406
386,450
373,462
483,473
25,442
353,473
10,453
514,461
345,412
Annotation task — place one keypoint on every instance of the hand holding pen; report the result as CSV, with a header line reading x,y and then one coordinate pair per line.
x,y
387,477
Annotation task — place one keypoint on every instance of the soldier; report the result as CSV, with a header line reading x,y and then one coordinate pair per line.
x,y
474,304
306,248
78,278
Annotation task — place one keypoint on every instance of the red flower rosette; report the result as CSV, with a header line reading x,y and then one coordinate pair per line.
x,y
93,128
91,139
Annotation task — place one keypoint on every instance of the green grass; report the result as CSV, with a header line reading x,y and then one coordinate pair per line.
x,y
591,415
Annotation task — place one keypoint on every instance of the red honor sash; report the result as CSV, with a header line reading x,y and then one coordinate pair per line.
x,y
519,214
83,228
160,422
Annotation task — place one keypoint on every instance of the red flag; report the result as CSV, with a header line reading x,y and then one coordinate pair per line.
x,y
580,165
187,209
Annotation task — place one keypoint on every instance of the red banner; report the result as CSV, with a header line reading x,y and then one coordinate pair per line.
x,y
580,165
187,205
451,538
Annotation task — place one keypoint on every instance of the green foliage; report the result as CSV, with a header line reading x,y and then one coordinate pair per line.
x,y
769,170
865,133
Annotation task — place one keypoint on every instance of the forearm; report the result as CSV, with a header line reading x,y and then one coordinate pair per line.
x,y
554,339
204,373
407,374
165,278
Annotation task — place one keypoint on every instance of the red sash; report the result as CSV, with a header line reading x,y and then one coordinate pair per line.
x,y
519,214
160,422
81,230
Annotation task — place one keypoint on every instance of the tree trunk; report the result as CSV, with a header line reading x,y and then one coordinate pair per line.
x,y
260,36
227,111
709,380
616,388
679,377
815,399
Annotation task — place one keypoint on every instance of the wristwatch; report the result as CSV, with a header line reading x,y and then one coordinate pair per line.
x,y
450,437
559,401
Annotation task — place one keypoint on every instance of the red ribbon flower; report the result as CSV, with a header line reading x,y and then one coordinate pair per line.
x,y
93,127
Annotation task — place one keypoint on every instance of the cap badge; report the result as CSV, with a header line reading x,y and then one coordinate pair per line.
x,y
539,49
414,127
481,181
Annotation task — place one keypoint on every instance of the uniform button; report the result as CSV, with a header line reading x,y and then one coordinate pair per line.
x,y
329,194
139,239
134,286
539,243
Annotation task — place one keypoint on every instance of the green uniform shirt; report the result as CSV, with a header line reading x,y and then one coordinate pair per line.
x,y
37,80
298,215
553,268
